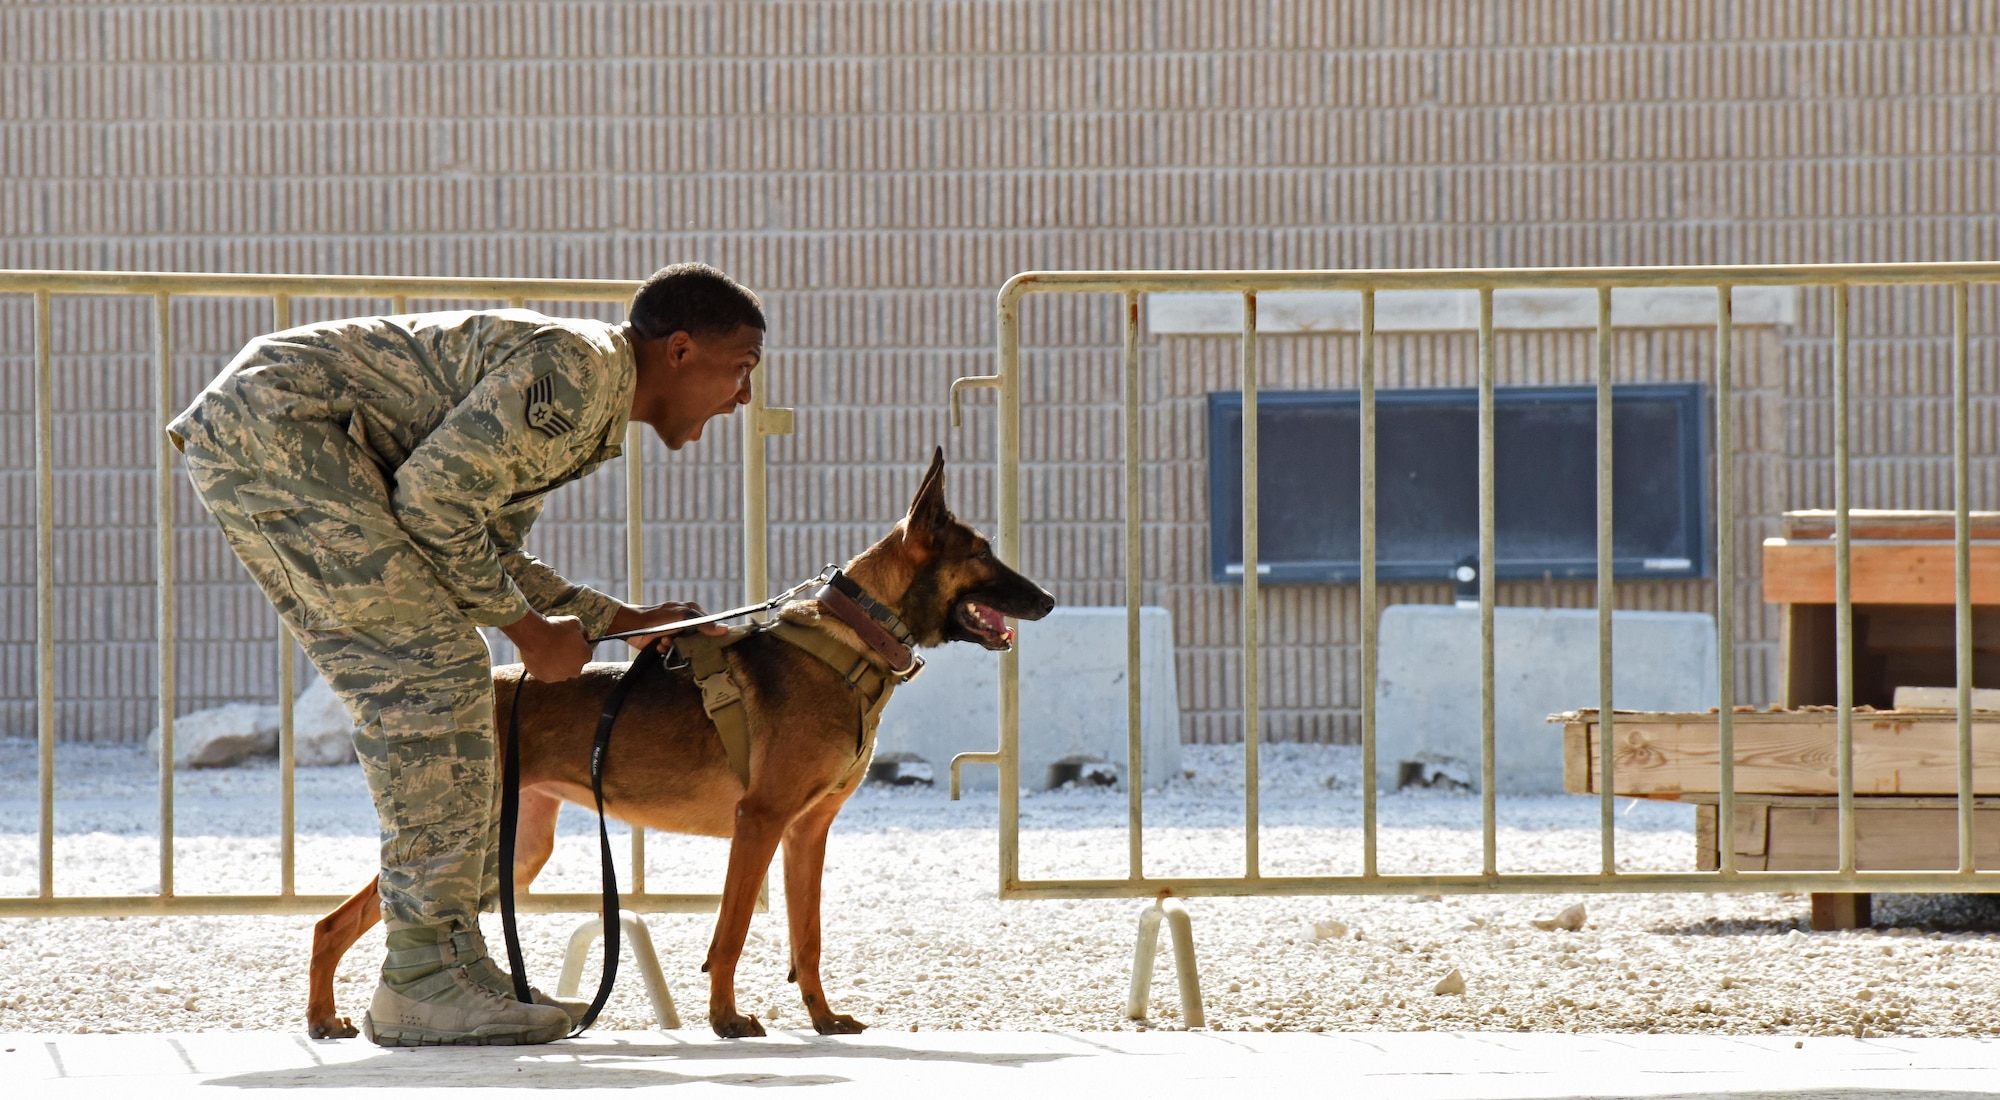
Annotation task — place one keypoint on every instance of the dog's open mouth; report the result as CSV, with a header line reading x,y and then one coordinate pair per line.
x,y
987,626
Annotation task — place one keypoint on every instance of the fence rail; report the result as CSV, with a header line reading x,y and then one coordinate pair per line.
x,y
1600,282
282,291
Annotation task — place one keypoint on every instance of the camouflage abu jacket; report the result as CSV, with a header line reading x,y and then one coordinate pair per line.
x,y
473,417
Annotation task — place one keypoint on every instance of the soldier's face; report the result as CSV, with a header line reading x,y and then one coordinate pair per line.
x,y
710,377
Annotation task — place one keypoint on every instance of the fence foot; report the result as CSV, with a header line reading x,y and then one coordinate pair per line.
x,y
1181,930
643,957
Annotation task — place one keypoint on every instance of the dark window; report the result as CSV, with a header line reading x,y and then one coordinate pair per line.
x,y
1427,483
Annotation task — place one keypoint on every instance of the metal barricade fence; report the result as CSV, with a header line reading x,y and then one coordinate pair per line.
x,y
1131,285
282,290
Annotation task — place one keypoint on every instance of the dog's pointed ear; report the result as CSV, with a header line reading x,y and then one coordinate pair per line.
x,y
928,514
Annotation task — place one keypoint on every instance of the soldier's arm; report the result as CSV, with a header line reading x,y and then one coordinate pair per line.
x,y
473,464
548,591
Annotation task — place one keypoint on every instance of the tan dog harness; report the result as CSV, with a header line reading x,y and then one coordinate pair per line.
x,y
879,629
722,696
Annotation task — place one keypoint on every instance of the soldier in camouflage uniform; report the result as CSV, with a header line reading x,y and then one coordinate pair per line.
x,y
377,477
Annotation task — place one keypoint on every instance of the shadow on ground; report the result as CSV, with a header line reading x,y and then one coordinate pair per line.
x,y
1797,1094
1916,912
606,1066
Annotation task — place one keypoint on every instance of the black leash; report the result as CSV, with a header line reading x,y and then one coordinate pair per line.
x,y
830,575
510,819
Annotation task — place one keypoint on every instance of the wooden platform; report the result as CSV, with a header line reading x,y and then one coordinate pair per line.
x,y
1787,752
1787,805
1798,571
1890,834
1903,584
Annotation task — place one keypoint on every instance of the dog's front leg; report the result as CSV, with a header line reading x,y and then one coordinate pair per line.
x,y
755,840
332,936
805,862
535,835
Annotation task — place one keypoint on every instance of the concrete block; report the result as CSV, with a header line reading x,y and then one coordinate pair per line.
x,y
1544,662
221,737
1073,701
322,730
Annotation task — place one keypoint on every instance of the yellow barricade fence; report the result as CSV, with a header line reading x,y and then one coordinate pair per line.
x,y
1588,283
282,291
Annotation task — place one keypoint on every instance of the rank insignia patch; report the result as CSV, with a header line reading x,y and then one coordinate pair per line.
x,y
542,414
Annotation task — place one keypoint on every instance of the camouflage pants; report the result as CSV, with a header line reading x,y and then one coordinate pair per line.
x,y
308,513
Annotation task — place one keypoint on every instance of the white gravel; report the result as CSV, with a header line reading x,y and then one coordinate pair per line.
x,y
916,938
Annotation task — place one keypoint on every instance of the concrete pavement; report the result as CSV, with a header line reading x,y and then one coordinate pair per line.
x,y
1044,1065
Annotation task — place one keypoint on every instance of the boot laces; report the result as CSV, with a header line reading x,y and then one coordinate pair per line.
x,y
466,980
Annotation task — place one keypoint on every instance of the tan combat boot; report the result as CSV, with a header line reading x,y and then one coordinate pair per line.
x,y
490,974
429,996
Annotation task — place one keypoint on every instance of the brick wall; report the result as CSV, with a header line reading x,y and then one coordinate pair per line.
x,y
876,170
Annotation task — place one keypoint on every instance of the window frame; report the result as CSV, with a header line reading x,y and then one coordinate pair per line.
x,y
1689,400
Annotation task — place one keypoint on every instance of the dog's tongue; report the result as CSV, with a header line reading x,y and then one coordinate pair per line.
x,y
992,620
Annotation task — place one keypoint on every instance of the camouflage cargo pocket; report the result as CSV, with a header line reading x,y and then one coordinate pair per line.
x,y
440,781
344,565
433,788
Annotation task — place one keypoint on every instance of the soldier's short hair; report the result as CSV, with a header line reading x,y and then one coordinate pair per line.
x,y
693,298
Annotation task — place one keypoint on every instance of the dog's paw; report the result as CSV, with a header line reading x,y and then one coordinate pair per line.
x,y
736,1027
333,1027
839,1025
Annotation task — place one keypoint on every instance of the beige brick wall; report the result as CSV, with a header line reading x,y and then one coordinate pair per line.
x,y
878,169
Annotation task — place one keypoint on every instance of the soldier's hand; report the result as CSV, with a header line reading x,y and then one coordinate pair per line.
x,y
662,614
553,649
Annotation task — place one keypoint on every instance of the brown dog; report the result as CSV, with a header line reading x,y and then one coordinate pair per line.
x,y
667,768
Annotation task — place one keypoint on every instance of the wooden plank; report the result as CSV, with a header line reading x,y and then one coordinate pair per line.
x,y
1577,761
1753,830
1872,523
1886,838
1883,572
1579,734
1789,753
1832,804
1798,833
